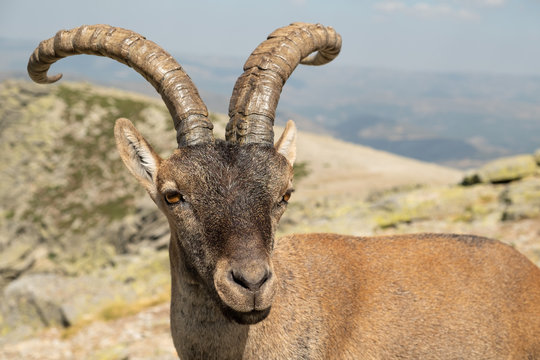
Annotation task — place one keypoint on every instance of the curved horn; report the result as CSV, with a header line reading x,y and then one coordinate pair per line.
x,y
256,92
158,67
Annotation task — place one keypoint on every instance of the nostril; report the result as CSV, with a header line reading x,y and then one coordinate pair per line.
x,y
251,280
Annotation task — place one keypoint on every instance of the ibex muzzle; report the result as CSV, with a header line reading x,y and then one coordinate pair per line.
x,y
246,288
237,293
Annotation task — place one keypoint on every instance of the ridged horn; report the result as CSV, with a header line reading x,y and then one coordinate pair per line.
x,y
256,92
158,67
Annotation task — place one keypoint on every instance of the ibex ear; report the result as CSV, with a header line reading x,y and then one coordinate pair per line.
x,y
139,157
286,145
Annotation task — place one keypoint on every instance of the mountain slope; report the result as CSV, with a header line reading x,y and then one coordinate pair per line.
x,y
67,196
339,168
83,249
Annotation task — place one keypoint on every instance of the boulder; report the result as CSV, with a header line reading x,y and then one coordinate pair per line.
x,y
522,200
14,260
35,301
537,156
41,300
507,169
447,203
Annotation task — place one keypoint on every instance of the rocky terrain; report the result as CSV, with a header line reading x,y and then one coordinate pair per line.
x,y
83,251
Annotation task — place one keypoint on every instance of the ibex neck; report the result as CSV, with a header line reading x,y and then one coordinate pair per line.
x,y
199,328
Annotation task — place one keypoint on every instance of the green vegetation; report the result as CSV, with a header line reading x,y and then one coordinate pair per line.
x,y
301,170
90,100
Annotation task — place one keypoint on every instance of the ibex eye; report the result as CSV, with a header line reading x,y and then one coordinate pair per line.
x,y
285,198
173,198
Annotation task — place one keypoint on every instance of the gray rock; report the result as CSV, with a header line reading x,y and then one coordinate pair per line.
x,y
537,156
508,169
41,300
522,200
15,259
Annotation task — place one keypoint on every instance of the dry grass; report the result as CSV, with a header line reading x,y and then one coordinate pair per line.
x,y
117,309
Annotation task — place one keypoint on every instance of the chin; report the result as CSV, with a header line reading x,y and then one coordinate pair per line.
x,y
246,318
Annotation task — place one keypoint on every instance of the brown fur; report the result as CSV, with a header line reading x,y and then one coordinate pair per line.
x,y
424,296
413,297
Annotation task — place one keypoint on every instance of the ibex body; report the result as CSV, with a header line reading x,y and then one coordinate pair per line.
x,y
238,293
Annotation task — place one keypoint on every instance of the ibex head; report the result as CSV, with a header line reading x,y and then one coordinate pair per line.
x,y
223,199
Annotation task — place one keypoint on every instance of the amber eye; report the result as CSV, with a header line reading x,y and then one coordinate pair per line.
x,y
285,198
173,198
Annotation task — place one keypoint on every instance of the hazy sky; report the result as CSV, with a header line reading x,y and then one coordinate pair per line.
x,y
441,35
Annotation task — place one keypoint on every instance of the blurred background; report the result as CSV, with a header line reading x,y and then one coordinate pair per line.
x,y
458,76
428,120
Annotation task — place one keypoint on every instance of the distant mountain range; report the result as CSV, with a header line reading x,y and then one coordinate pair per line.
x,y
455,119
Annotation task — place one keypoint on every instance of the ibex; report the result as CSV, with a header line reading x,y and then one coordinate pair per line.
x,y
239,293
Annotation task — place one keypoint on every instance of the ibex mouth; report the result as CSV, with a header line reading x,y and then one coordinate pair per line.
x,y
246,318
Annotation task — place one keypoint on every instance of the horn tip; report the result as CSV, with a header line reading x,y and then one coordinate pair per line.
x,y
54,78
45,79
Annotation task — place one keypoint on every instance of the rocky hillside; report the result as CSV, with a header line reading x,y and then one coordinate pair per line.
x,y
83,251
69,205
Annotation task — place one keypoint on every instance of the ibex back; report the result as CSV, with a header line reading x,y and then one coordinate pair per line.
x,y
238,293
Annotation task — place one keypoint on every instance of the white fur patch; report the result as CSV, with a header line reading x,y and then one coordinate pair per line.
x,y
286,144
142,159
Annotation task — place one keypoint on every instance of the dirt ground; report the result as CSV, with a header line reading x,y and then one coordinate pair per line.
x,y
145,335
